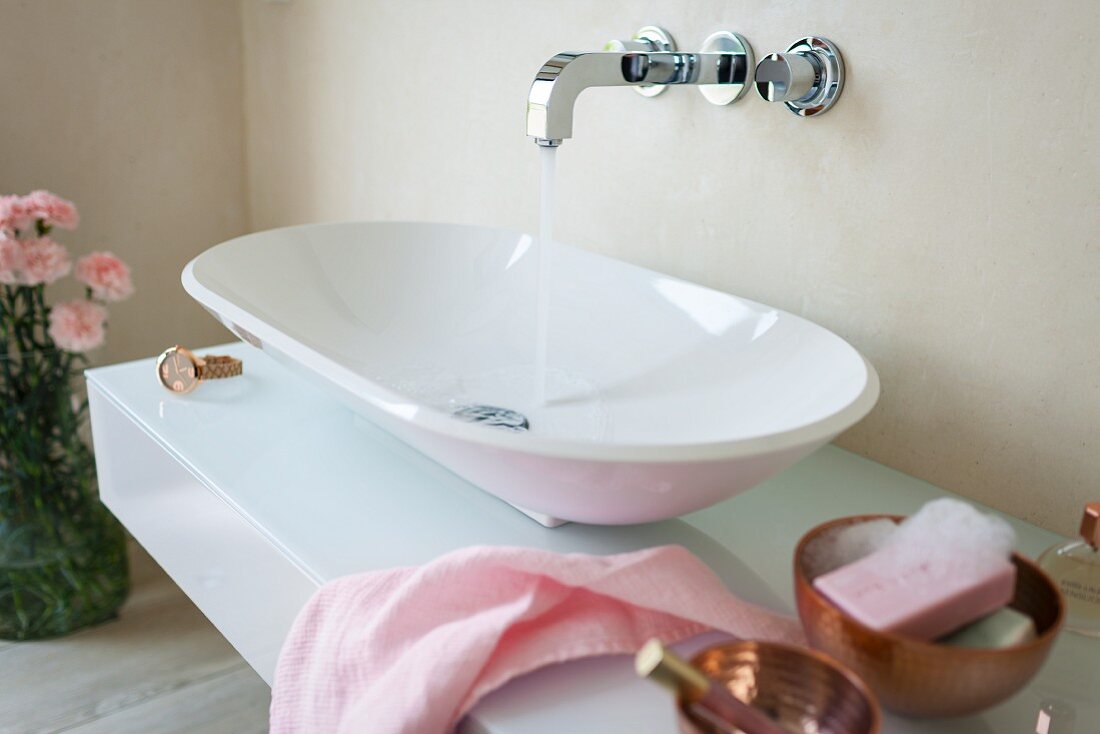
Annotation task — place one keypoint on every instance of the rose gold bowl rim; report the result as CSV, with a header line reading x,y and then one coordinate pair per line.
x,y
819,656
1041,640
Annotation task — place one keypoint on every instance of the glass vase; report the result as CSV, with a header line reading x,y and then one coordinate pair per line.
x,y
63,559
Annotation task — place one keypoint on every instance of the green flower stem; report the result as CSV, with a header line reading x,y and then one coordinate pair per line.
x,y
62,555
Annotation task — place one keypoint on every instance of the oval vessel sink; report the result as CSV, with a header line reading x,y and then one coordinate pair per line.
x,y
661,396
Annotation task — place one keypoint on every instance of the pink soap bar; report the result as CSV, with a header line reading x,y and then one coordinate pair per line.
x,y
922,597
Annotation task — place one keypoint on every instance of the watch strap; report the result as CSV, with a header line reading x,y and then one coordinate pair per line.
x,y
217,367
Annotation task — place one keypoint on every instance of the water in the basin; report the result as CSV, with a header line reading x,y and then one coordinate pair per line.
x,y
546,243
576,408
519,397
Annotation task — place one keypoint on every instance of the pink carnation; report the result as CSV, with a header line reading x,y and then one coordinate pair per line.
x,y
51,209
14,215
106,275
11,260
77,326
44,261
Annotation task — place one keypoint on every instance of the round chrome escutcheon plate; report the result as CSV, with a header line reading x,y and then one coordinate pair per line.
x,y
660,40
735,43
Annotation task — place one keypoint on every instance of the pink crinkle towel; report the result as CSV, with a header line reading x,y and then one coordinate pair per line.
x,y
411,650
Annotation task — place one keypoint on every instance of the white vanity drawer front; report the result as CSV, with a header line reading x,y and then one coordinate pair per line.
x,y
236,576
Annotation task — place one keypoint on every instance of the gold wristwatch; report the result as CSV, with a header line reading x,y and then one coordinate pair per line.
x,y
181,371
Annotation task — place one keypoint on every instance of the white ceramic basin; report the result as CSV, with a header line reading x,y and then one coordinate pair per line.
x,y
663,396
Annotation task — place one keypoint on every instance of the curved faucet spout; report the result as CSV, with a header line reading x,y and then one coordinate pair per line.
x,y
561,80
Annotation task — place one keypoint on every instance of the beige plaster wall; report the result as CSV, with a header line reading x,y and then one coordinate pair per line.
x,y
133,109
944,218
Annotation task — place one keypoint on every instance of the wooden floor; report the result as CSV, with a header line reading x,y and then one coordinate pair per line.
x,y
160,667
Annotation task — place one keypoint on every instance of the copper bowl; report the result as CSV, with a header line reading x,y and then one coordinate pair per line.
x,y
803,690
926,679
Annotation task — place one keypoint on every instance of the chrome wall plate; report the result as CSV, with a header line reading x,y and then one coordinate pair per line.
x,y
735,43
646,38
808,77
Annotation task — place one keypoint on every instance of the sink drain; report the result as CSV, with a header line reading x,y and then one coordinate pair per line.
x,y
492,416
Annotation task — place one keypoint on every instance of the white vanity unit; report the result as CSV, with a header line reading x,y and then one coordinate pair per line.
x,y
251,492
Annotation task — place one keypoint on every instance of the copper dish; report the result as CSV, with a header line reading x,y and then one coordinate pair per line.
x,y
925,679
803,690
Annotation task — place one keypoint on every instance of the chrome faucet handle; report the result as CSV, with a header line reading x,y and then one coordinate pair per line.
x,y
808,77
647,38
787,77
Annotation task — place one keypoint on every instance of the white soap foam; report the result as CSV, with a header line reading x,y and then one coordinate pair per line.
x,y
956,527
951,538
846,544
942,529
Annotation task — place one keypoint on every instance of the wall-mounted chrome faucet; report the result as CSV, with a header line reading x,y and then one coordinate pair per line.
x,y
562,78
808,77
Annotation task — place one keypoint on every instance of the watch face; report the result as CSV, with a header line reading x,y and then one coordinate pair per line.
x,y
176,371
